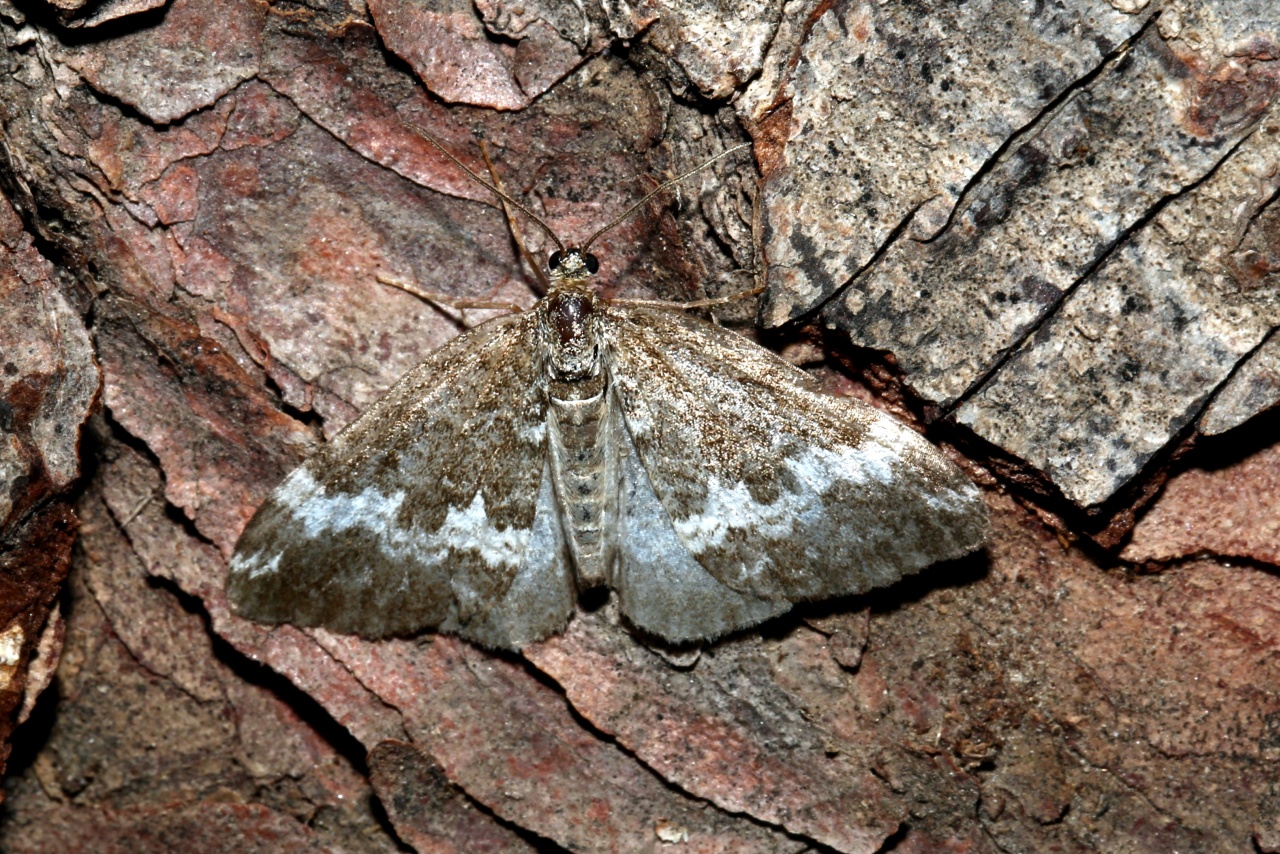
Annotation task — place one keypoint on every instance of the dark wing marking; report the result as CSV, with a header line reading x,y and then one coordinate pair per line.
x,y
541,596
779,491
422,512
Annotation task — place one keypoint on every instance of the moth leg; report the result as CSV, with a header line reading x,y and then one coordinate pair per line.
x,y
445,301
692,304
697,303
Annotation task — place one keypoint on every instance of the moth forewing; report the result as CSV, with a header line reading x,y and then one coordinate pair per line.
x,y
777,490
422,511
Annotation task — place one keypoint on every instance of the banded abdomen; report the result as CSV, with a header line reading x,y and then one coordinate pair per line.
x,y
584,469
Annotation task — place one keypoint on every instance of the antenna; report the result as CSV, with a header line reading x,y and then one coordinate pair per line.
x,y
664,186
538,220
490,187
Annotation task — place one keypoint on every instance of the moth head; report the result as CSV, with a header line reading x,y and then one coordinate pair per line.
x,y
572,265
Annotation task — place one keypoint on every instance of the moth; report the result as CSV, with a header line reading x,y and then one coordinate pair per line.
x,y
587,442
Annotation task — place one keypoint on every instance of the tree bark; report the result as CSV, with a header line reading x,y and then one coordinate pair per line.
x,y
1047,234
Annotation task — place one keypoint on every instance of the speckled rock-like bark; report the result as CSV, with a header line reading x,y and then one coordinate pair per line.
x,y
1131,356
890,115
1253,388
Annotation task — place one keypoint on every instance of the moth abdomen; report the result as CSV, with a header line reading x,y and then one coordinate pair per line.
x,y
584,473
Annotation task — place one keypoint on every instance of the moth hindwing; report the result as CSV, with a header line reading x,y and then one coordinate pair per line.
x,y
586,442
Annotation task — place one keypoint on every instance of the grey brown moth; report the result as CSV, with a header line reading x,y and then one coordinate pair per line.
x,y
589,442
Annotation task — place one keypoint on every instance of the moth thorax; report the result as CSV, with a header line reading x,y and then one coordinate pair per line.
x,y
570,326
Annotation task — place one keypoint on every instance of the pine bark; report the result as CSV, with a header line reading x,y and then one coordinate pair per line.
x,y
1045,233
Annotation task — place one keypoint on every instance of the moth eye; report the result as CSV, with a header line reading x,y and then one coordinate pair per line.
x,y
593,264
554,261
